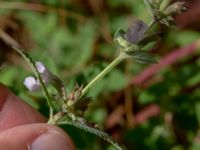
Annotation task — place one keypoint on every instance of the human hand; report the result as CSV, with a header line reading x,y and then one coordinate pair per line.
x,y
22,127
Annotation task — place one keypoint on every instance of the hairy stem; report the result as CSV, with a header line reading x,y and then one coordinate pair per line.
x,y
14,45
32,64
114,63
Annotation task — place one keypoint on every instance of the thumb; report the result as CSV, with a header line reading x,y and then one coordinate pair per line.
x,y
35,137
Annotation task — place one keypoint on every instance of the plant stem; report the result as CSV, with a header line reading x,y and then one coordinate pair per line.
x,y
32,65
151,23
114,63
149,8
14,45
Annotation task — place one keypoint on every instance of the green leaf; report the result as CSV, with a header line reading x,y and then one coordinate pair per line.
x,y
115,80
7,75
83,43
94,131
197,109
142,57
195,146
146,97
186,37
98,115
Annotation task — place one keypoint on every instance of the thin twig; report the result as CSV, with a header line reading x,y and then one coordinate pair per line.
x,y
128,99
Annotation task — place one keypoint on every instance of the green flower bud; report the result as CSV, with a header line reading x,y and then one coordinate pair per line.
x,y
120,39
177,7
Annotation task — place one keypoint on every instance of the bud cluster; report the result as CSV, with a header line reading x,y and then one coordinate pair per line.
x,y
177,7
163,14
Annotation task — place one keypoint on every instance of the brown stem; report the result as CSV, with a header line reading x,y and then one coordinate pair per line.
x,y
128,99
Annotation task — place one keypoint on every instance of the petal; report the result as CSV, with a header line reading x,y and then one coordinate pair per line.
x,y
135,32
31,84
40,67
45,73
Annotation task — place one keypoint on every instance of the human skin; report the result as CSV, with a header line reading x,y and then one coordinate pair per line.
x,y
23,128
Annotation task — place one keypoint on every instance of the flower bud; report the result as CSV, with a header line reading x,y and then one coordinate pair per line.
x,y
47,76
155,3
50,78
40,67
120,40
177,7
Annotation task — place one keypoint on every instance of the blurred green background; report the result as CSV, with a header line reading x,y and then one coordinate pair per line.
x,y
140,106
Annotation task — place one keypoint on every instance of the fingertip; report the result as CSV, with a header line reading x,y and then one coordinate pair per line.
x,y
53,139
36,137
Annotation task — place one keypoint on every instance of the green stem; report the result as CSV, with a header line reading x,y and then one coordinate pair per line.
x,y
149,8
14,45
114,63
32,65
151,23
56,118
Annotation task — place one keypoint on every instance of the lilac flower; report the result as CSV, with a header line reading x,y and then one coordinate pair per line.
x,y
31,83
47,76
136,31
132,37
40,67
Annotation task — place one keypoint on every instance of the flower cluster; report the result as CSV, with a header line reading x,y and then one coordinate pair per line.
x,y
33,84
132,37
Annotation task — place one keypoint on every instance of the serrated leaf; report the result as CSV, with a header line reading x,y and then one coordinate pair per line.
x,y
142,57
92,130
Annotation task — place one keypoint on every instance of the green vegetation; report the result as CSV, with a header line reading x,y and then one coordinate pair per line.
x,y
141,106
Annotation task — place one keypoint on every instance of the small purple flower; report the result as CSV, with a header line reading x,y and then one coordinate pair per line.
x,y
47,76
136,31
40,67
31,83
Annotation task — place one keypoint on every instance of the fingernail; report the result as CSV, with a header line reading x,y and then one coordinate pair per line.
x,y
51,141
